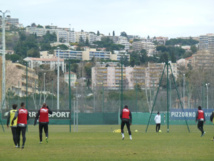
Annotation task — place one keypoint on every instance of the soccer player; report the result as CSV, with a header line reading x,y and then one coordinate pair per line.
x,y
126,118
158,121
43,120
22,115
200,117
14,126
212,120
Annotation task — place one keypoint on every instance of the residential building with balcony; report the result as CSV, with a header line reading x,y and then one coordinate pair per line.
x,y
206,42
51,62
19,80
90,53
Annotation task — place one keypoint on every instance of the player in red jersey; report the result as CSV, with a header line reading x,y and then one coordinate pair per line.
x,y
43,120
200,117
126,118
22,115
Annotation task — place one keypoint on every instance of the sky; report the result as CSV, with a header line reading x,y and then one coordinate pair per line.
x,y
170,18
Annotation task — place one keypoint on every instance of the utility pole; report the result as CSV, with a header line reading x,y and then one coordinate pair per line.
x,y
44,87
58,78
167,63
121,97
207,85
184,90
3,59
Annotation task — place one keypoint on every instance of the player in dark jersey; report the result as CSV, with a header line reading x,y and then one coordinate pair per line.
x,y
42,114
212,120
14,126
126,118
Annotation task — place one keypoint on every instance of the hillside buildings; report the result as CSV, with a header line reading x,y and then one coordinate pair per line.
x,y
89,54
16,80
146,77
206,42
50,62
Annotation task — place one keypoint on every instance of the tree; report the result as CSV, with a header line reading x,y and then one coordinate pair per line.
x,y
181,42
193,49
113,33
164,57
33,52
87,42
39,26
81,41
14,57
98,33
123,34
88,67
33,25
148,37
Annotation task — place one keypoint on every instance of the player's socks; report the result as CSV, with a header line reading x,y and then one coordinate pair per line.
x,y
46,139
123,136
130,137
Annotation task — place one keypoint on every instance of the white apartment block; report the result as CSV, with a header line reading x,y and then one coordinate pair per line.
x,y
146,77
51,62
11,21
64,35
206,42
89,54
124,41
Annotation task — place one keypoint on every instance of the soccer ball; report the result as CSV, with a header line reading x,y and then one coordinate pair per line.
x,y
136,130
160,131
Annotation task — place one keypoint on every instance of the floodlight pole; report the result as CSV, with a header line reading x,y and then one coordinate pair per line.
x,y
207,85
58,79
3,59
184,84
121,95
167,66
44,87
70,94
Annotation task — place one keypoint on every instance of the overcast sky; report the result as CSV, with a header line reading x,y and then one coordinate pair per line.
x,y
172,18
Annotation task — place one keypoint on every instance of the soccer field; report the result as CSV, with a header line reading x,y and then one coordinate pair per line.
x,y
100,143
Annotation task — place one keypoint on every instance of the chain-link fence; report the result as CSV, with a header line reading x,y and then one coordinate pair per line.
x,y
83,105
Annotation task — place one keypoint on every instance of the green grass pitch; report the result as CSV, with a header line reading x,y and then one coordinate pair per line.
x,y
98,142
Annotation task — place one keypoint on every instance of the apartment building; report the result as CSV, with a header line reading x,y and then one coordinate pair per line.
x,y
16,75
206,42
110,77
203,59
146,77
154,72
90,53
11,21
51,62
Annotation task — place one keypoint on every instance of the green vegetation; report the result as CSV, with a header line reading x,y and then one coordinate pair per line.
x,y
141,57
170,53
29,45
189,41
100,143
107,43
